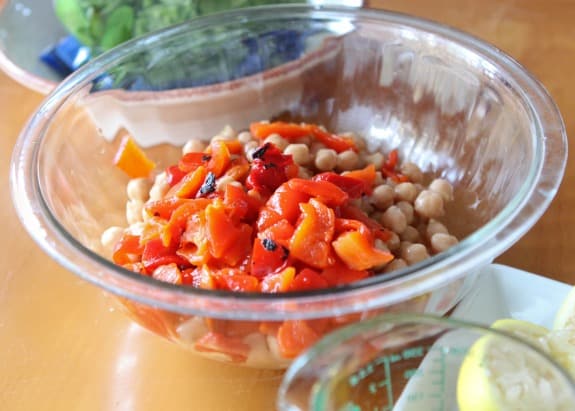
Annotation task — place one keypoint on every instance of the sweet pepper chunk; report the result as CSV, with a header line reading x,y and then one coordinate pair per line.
x,y
311,240
357,253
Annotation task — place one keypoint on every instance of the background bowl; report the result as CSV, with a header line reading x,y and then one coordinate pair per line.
x,y
457,107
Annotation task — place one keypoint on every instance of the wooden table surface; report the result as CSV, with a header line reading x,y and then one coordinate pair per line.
x,y
64,349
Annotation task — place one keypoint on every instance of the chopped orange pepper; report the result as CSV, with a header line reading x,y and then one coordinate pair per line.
x,y
190,184
132,160
357,253
220,158
220,230
179,219
278,282
294,337
341,274
285,201
367,175
326,192
310,242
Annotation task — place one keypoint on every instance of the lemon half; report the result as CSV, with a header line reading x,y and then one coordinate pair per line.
x,y
499,375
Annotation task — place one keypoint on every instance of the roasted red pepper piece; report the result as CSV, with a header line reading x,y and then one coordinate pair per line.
x,y
294,337
155,255
233,347
267,257
355,250
285,201
179,219
190,161
174,175
350,211
127,250
278,282
189,185
341,274
366,174
389,167
165,207
293,131
308,279
353,187
220,158
326,192
312,237
236,280
270,168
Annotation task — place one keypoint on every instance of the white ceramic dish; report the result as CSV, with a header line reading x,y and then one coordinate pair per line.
x,y
505,292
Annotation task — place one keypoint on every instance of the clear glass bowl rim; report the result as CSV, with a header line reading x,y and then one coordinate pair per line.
x,y
537,191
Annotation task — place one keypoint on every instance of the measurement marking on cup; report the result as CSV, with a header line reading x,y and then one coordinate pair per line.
x,y
411,378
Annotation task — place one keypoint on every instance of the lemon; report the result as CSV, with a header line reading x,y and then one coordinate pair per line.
x,y
565,317
498,375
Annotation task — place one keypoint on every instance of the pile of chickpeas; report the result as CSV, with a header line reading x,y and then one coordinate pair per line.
x,y
410,210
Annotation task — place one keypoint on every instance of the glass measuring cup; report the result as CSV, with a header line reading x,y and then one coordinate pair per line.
x,y
409,362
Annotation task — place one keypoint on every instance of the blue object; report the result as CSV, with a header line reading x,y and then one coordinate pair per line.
x,y
66,56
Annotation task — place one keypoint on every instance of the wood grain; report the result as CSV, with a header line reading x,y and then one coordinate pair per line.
x,y
64,349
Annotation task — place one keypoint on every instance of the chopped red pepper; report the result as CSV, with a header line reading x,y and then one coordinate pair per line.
x,y
270,168
292,131
233,347
311,240
155,255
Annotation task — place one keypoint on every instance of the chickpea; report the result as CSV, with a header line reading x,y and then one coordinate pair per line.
x,y
394,219
111,236
249,148
138,189
376,159
227,133
395,264
405,192
245,137
304,173
379,180
442,241
434,227
299,153
223,181
134,210
410,234
414,253
380,245
394,242
193,146
347,160
357,141
407,210
315,147
442,187
277,140
412,171
325,159
304,140
429,204
160,187
382,196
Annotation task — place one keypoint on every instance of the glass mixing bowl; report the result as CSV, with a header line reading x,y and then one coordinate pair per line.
x,y
457,107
